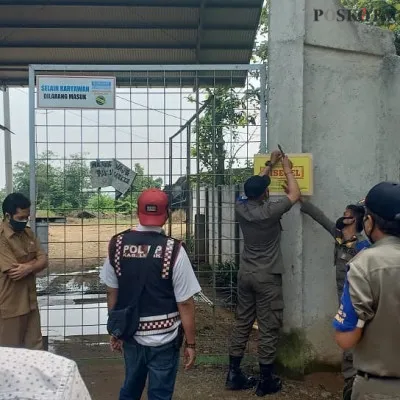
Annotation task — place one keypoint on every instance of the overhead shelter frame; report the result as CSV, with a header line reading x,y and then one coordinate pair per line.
x,y
124,32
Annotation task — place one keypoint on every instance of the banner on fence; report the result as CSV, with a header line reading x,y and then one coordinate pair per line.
x,y
89,92
111,173
302,171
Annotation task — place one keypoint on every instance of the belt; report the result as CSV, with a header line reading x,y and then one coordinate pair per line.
x,y
367,375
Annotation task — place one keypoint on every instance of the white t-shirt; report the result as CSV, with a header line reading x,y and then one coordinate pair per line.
x,y
184,282
39,375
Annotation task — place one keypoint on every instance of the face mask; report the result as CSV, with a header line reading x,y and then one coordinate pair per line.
x,y
340,224
18,226
369,235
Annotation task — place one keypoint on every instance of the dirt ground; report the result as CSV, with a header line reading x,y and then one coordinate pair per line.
x,y
104,380
80,244
103,371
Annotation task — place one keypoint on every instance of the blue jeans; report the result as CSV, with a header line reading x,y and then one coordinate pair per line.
x,y
159,363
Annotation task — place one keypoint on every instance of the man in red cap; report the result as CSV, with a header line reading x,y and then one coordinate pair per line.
x,y
151,284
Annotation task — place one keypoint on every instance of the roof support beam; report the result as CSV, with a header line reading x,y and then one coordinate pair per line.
x,y
122,26
127,3
117,45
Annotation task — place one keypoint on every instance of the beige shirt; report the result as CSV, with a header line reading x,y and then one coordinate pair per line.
x,y
374,283
260,224
17,297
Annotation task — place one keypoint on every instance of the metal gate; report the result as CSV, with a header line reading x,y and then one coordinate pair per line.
x,y
191,130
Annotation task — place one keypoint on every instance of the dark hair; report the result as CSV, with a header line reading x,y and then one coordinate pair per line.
x,y
358,213
389,227
14,201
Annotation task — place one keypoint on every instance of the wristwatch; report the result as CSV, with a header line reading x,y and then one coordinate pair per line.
x,y
268,164
190,345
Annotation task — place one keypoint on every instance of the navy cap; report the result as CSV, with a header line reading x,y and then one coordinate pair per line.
x,y
384,201
256,186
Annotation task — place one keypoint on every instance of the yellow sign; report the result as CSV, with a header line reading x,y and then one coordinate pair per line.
x,y
302,171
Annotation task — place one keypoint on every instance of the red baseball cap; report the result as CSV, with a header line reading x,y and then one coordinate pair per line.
x,y
153,207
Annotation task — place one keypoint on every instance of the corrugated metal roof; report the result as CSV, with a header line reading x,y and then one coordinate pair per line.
x,y
124,32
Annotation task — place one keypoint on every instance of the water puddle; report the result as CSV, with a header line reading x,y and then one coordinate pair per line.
x,y
74,304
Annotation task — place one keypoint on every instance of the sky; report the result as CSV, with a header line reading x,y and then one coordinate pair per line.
x,y
137,131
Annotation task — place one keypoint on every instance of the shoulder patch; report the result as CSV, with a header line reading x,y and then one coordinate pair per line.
x,y
120,233
362,245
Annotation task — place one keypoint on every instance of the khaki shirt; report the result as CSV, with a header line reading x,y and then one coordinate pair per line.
x,y
374,285
17,297
260,224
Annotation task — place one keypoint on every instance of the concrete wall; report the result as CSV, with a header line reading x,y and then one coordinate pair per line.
x,y
334,91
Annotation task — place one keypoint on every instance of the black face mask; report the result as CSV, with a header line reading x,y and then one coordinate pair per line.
x,y
340,223
366,234
18,226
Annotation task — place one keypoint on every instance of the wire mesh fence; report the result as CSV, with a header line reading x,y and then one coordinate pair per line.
x,y
191,132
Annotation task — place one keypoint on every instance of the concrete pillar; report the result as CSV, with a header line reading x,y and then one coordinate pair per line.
x,y
334,90
285,121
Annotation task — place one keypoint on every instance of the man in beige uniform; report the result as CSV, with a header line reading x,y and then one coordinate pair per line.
x,y
260,276
349,240
21,258
369,316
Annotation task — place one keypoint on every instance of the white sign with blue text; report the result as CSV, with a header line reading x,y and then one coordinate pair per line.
x,y
89,92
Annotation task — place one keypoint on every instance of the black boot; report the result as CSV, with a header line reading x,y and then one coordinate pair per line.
x,y
236,379
269,383
348,388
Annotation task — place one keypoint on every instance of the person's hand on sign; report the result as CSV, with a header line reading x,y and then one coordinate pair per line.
x,y
285,187
276,155
287,165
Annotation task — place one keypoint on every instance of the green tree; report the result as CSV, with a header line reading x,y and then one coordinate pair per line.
x,y
66,189
101,203
76,182
48,180
218,132
57,189
228,111
260,50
